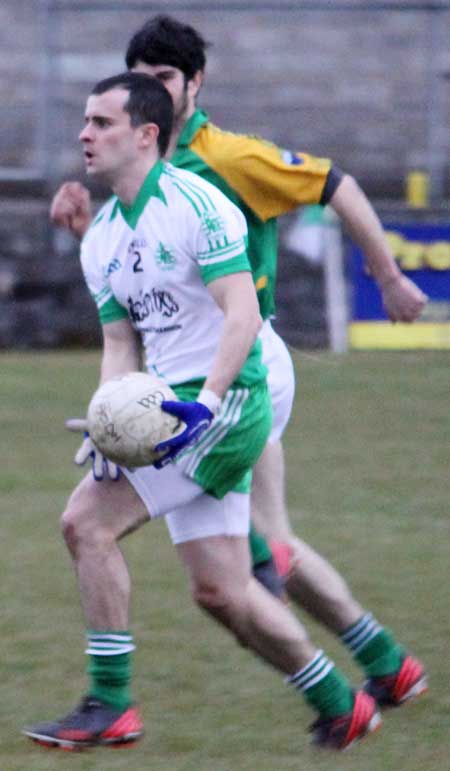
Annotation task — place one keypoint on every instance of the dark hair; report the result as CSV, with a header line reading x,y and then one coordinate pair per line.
x,y
164,40
148,102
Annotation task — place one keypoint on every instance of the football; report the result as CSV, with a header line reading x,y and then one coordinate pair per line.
x,y
125,419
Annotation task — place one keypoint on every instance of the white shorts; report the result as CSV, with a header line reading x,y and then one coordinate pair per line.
x,y
190,513
280,378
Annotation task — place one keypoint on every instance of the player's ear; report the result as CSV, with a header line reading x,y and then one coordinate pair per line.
x,y
148,135
195,83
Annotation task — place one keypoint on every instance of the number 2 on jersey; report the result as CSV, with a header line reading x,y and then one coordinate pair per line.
x,y
137,266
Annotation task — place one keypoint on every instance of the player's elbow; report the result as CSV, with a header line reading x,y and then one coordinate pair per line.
x,y
252,325
245,320
257,323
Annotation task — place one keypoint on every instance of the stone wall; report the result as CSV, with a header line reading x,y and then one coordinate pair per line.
x,y
43,299
366,88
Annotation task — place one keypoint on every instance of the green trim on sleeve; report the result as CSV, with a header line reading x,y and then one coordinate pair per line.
x,y
112,311
213,270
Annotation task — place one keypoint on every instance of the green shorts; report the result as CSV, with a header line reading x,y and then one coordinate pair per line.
x,y
223,458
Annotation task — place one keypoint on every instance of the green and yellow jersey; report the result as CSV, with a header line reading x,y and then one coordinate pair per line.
x,y
262,180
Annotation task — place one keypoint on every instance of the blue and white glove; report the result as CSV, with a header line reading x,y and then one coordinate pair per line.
x,y
101,466
197,416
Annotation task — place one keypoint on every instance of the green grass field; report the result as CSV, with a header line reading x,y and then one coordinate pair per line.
x,y
368,485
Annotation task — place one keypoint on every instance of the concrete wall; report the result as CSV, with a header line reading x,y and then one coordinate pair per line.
x,y
364,88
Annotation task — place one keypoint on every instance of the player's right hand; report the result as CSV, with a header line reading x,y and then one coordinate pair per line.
x,y
197,417
101,466
71,208
402,299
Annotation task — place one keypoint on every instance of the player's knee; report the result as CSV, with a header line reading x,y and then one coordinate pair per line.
x,y
69,529
208,595
215,598
80,530
223,604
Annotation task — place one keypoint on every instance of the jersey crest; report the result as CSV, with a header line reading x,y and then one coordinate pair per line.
x,y
292,159
213,225
165,258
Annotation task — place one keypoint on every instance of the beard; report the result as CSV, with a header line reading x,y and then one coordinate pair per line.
x,y
180,110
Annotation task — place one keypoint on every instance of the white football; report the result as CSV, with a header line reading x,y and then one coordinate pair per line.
x,y
126,422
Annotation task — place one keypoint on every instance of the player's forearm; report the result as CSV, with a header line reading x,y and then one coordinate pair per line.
x,y
120,351
236,297
364,227
239,332
112,366
117,365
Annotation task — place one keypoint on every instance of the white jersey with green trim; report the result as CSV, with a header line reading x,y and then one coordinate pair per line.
x,y
151,262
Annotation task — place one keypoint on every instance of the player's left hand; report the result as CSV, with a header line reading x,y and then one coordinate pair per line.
x,y
101,465
71,208
402,299
197,417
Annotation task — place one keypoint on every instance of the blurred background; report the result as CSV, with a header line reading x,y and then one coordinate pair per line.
x,y
365,83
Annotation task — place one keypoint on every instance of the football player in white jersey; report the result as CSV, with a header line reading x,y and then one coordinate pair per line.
x,y
265,181
166,258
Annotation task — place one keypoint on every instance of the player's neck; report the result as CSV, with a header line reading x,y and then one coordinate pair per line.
x,y
127,186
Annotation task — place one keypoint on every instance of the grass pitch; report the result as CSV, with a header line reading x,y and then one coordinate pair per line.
x,y
368,486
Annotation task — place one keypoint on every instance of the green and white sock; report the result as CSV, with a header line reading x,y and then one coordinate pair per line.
x,y
373,647
109,667
323,686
